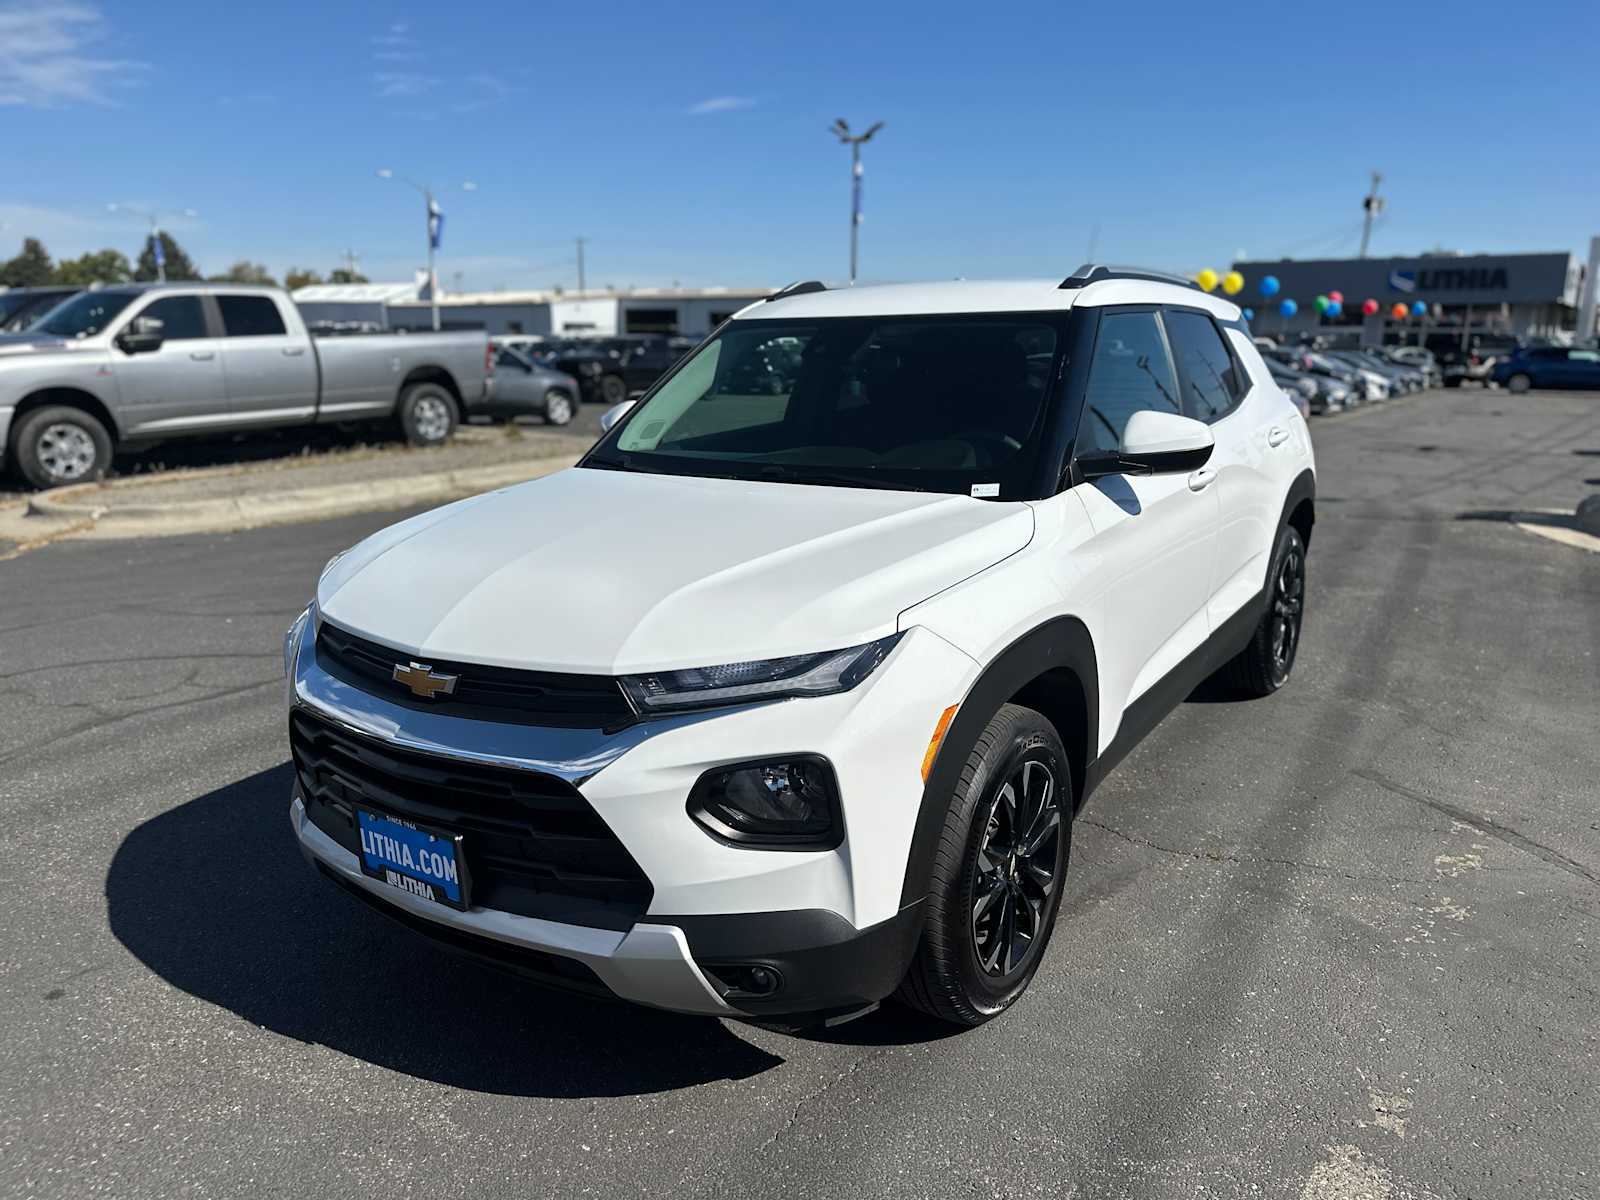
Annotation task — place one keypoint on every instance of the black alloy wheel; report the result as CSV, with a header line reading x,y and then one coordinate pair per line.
x,y
1288,605
1016,870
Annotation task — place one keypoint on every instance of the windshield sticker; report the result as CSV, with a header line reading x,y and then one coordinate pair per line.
x,y
983,491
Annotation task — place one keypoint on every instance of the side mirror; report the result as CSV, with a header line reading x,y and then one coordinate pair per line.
x,y
614,414
142,335
1153,443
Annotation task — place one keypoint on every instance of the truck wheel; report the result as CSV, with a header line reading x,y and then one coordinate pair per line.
x,y
998,873
427,414
557,407
57,445
612,389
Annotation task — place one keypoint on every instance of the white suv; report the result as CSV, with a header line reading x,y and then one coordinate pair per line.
x,y
782,701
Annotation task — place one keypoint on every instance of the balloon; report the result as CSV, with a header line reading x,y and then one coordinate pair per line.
x,y
1269,285
1419,309
1249,314
1233,283
1334,308
1336,297
1320,304
1288,308
1369,307
1207,279
1398,312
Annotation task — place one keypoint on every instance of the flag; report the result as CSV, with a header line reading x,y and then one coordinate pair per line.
x,y
435,224
157,249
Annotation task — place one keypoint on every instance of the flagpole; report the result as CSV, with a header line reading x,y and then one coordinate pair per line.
x,y
433,278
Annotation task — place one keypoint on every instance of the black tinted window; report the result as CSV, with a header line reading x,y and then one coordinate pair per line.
x,y
1129,372
250,316
84,315
181,317
1210,385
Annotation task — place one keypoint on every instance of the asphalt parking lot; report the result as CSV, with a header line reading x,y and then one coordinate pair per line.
x,y
1340,943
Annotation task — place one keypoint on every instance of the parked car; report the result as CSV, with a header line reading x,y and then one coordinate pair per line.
x,y
1322,393
1399,379
1420,357
827,674
597,370
21,307
145,362
1549,367
1358,385
523,387
1476,363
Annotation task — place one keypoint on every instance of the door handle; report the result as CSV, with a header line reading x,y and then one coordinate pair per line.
x,y
1201,479
1277,435
202,355
294,351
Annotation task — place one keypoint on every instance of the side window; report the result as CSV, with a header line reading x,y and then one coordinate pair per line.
x,y
250,316
1211,384
182,317
1129,372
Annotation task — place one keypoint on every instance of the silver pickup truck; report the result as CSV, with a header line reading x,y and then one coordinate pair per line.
x,y
126,365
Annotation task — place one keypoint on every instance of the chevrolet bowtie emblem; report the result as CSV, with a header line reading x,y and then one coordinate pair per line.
x,y
423,680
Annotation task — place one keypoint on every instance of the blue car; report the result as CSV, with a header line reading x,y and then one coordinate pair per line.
x,y
1548,367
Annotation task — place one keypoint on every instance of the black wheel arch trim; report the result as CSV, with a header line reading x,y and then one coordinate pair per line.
x,y
1061,643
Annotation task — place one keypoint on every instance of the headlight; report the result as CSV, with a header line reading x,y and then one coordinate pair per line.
x,y
291,640
766,679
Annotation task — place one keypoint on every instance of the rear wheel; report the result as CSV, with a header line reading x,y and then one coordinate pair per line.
x,y
427,414
612,389
557,408
1266,663
58,445
997,873
1519,383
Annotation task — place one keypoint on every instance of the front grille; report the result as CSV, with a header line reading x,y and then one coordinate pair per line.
x,y
532,844
481,692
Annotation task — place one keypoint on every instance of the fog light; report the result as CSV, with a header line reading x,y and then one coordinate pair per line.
x,y
789,803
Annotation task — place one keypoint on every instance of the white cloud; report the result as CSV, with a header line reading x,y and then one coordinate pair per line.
x,y
403,83
719,104
45,59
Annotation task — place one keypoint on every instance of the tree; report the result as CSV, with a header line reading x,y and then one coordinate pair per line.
x,y
298,277
243,271
178,264
31,268
345,275
102,266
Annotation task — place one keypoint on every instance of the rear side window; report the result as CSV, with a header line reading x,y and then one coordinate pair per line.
x,y
1211,383
1130,372
182,318
250,316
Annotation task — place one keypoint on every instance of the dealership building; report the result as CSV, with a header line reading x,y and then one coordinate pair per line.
x,y
1526,296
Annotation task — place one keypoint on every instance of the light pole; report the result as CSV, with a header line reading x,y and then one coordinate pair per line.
x,y
841,130
1372,206
155,232
435,227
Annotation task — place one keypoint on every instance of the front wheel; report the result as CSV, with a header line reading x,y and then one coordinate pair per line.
x,y
58,445
426,414
997,874
1519,383
612,389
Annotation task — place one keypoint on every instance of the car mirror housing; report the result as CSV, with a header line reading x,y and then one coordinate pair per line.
x,y
614,414
142,335
1153,443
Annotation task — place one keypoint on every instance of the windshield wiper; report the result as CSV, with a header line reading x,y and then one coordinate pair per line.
x,y
830,479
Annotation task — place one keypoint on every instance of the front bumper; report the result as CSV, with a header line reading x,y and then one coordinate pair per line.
x,y
828,922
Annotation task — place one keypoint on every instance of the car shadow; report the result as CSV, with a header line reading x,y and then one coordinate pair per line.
x,y
214,897
1550,520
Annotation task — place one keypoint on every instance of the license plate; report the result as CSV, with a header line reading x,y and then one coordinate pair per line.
x,y
422,862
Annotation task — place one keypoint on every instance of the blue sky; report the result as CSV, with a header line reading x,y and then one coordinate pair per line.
x,y
689,142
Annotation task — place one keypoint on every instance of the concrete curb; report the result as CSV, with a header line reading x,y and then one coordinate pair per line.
x,y
118,502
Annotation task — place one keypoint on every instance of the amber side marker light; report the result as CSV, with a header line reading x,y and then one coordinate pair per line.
x,y
937,740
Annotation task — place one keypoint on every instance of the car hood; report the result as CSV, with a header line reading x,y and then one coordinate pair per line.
x,y
607,572
31,343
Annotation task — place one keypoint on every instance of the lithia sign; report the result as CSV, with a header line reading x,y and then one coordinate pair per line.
x,y
1449,279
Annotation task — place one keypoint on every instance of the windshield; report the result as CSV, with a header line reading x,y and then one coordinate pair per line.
x,y
84,315
944,404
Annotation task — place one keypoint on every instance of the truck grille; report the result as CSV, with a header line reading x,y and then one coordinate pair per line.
x,y
481,692
532,844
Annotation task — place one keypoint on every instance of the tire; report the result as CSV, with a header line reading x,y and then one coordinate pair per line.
x,y
558,409
1265,665
427,414
965,971
58,445
1452,381
613,390
1519,384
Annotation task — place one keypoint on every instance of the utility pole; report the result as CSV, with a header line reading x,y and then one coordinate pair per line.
x,y
351,259
1372,203
435,227
156,250
1586,303
841,130
580,242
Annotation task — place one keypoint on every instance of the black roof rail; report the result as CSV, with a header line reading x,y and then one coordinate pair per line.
x,y
1095,272
798,289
